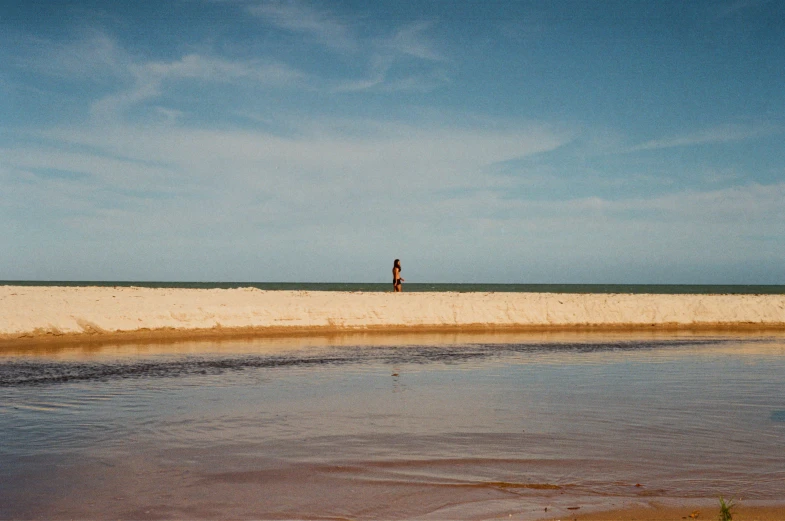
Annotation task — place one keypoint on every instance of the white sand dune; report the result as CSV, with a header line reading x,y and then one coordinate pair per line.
x,y
40,312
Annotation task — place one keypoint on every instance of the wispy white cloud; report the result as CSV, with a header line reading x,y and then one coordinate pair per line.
x,y
323,26
752,207
676,237
719,134
349,178
340,155
210,189
412,41
418,83
380,52
720,175
380,81
106,170
150,78
121,81
407,43
91,56
96,58
737,205
216,69
345,180
113,105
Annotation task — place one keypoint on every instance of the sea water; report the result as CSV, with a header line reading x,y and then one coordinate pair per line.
x,y
667,289
363,427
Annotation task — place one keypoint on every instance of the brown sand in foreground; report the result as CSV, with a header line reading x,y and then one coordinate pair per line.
x,y
670,513
36,313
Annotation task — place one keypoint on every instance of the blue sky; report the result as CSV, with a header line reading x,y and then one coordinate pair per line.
x,y
499,141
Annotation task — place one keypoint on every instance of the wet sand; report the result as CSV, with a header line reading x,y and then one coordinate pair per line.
x,y
656,511
66,314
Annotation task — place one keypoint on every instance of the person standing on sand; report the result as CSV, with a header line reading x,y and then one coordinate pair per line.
x,y
397,280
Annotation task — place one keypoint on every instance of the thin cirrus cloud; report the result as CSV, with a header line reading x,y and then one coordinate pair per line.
x,y
150,78
379,53
91,56
117,80
412,41
432,157
325,28
719,134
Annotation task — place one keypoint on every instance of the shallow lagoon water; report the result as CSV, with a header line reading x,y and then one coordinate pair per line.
x,y
361,427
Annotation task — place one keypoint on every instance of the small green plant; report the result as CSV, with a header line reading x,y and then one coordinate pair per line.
x,y
725,509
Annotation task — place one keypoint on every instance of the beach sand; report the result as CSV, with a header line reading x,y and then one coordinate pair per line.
x,y
39,313
658,512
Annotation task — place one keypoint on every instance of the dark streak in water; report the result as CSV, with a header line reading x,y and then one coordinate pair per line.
x,y
33,373
25,373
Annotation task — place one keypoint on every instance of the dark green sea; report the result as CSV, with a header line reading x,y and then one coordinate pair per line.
x,y
667,289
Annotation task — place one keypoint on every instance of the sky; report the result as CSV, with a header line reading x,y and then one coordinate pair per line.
x,y
492,141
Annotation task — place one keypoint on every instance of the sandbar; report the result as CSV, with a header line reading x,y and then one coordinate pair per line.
x,y
56,313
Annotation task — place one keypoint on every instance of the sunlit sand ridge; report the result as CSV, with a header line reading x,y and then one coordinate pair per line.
x,y
55,312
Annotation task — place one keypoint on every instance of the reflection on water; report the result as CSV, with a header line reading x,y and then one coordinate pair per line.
x,y
432,427
21,372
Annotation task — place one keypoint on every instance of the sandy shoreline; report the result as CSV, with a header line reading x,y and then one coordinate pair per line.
x,y
676,510
658,512
40,313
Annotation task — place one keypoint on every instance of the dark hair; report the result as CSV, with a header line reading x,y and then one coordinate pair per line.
x,y
397,264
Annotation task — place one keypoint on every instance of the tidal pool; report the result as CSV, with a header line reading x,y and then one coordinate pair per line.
x,y
362,427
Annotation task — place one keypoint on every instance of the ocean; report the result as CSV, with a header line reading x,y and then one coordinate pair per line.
x,y
667,289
